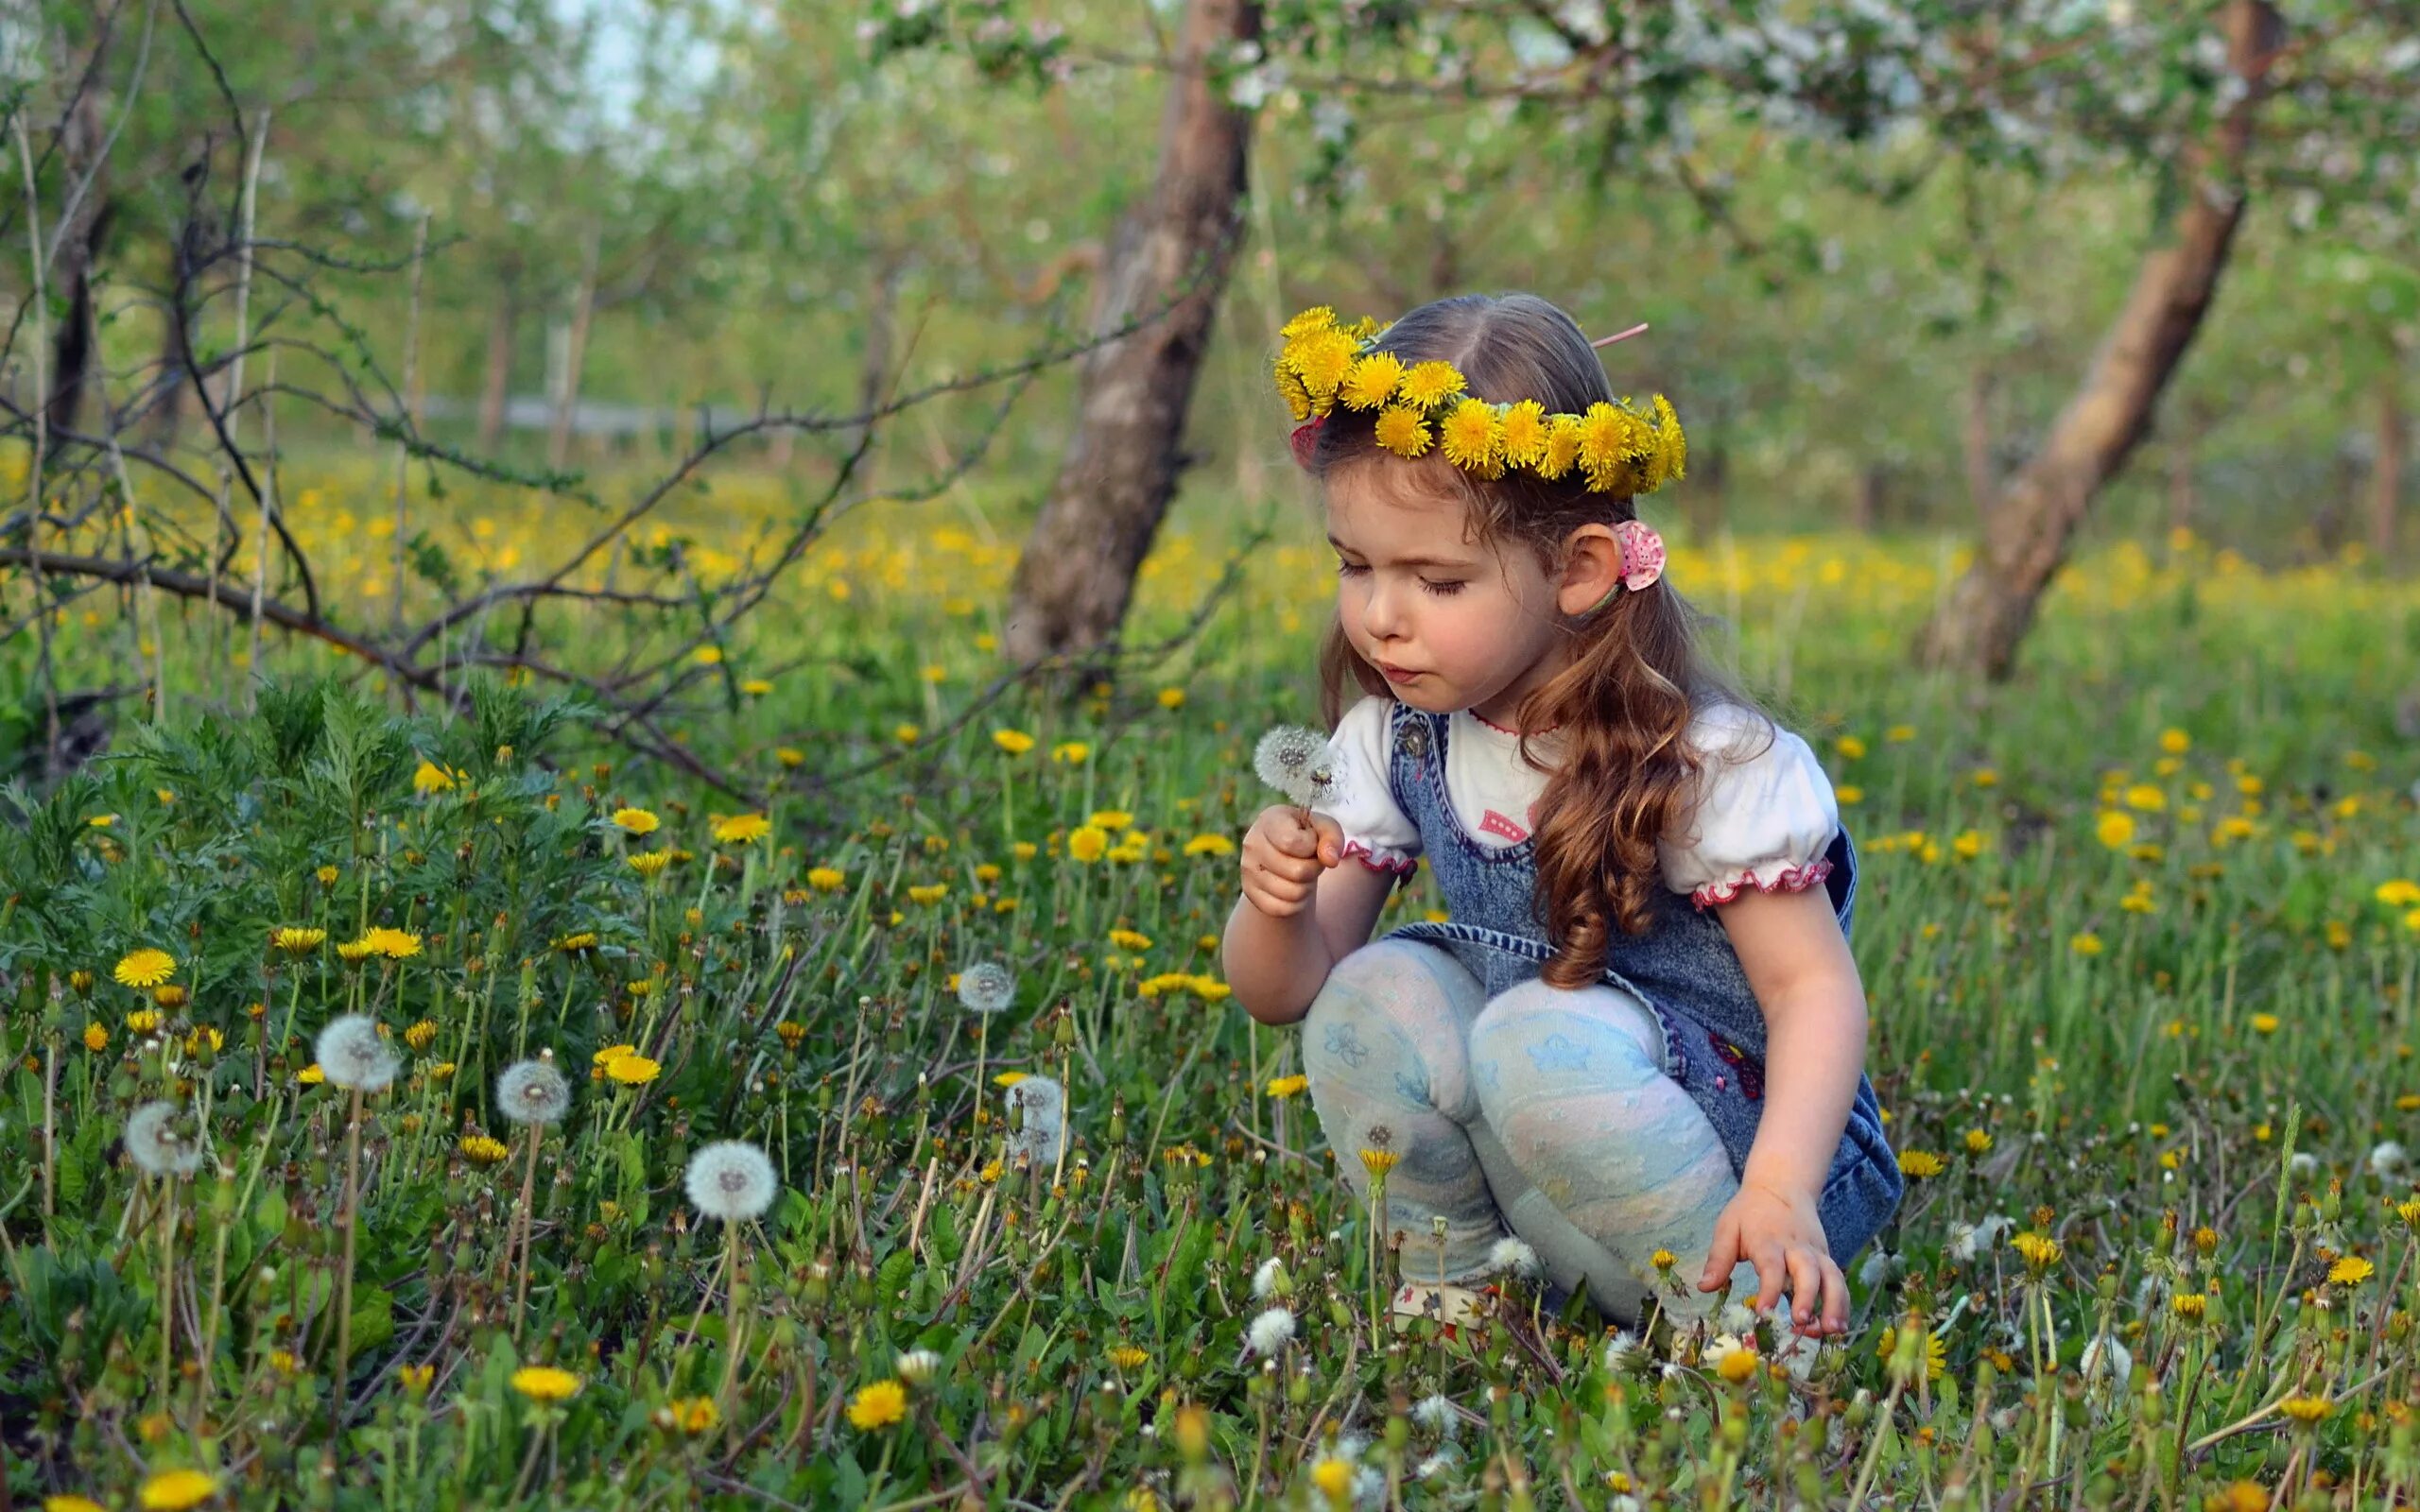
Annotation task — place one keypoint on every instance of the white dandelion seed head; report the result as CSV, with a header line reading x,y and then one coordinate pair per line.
x,y
1045,1133
1434,1466
2388,1157
1623,1502
2303,1163
1270,1280
160,1142
1368,1487
1270,1331
1880,1266
916,1366
986,986
2105,1357
352,1054
730,1179
1435,1412
1736,1317
1283,760
1327,784
1623,1351
1351,1447
532,1091
1514,1255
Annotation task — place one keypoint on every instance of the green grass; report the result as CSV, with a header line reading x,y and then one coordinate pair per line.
x,y
2253,1002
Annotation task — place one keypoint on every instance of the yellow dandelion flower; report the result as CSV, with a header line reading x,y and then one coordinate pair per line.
x,y
2398,892
1071,752
1282,1087
1009,1078
826,879
1209,845
649,863
1321,360
1379,1162
1403,431
141,1020
480,1149
879,1405
633,1070
1978,1142
296,940
545,1383
1015,742
422,1034
1127,1357
1918,1165
1110,818
1471,438
1317,318
756,687
2085,943
96,1039
311,1075
1522,439
394,944
2041,1251
2350,1271
2147,797
1088,843
1298,399
741,829
2175,742
1372,381
176,1490
1562,449
1334,1479
1609,442
1662,1260
430,778
1171,698
636,821
145,968
1670,457
71,1504
1429,385
2264,1023
928,893
2307,1410
611,1053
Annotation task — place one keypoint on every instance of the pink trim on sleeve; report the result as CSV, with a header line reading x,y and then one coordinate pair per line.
x,y
1792,879
1400,866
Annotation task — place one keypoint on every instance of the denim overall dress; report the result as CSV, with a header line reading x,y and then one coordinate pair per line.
x,y
1684,968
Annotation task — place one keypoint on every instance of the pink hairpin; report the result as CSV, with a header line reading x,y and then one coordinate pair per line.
x,y
1642,553
1620,335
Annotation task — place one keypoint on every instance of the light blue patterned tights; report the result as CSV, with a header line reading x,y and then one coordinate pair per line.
x,y
1543,1113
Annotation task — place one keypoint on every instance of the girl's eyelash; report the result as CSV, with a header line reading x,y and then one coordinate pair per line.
x,y
1346,569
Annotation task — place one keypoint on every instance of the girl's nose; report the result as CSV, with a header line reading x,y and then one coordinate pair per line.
x,y
1381,616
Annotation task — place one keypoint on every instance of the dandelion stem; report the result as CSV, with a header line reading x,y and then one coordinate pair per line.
x,y
352,1222
528,1189
167,1291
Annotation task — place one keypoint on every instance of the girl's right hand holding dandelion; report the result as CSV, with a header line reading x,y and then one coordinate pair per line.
x,y
1284,853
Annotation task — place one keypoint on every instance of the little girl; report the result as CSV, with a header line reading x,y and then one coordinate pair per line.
x,y
1642,1030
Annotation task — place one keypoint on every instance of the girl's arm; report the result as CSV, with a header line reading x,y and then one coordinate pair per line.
x,y
1302,912
1806,980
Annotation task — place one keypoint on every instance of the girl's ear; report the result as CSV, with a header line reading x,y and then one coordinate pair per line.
x,y
1592,563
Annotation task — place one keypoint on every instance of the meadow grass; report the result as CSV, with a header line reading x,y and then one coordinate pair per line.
x,y
2139,933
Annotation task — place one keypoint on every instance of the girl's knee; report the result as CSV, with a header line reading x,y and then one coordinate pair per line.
x,y
1533,1030
1394,1012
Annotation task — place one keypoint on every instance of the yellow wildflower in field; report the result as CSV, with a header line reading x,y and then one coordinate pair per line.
x,y
928,893
141,1020
327,876
2146,797
95,1037
1210,989
1209,845
2085,943
1127,940
611,1053
632,1069
907,734
1968,845
1127,1357
2307,1410
879,1405
431,778
1899,735
1015,742
1918,1165
2398,892
636,821
2350,1271
1071,752
545,1383
2115,829
1171,698
2264,1023
2041,1251
1850,747
740,829
789,755
71,1504
1849,795
2175,742
422,1034
1379,1162
1936,1351
176,1490
296,940
756,687
1110,819
826,879
1332,1476
649,863
1282,1087
145,968
311,1075
2191,1306
394,944
1088,843
1662,1260
481,1150
689,1415
1978,1142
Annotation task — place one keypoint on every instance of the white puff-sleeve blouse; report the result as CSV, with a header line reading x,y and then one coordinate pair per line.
x,y
1762,821
1376,832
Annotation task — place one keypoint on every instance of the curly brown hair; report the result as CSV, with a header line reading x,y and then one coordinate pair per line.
x,y
1624,776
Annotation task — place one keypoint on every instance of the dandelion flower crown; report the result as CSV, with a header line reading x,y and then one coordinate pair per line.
x,y
1621,447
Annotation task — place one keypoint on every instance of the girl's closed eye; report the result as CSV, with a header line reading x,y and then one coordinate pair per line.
x,y
1444,590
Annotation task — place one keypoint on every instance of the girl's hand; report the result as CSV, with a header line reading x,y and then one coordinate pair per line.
x,y
1779,1233
1282,857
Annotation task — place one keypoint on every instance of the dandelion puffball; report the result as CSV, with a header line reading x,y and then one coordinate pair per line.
x,y
730,1179
532,1091
157,1146
1514,1255
1269,1332
986,986
352,1054
1043,1136
1270,1280
1285,758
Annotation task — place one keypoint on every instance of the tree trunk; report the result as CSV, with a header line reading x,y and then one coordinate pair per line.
x,y
1989,611
1076,574
496,387
2386,479
575,354
1975,436
78,240
1865,504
